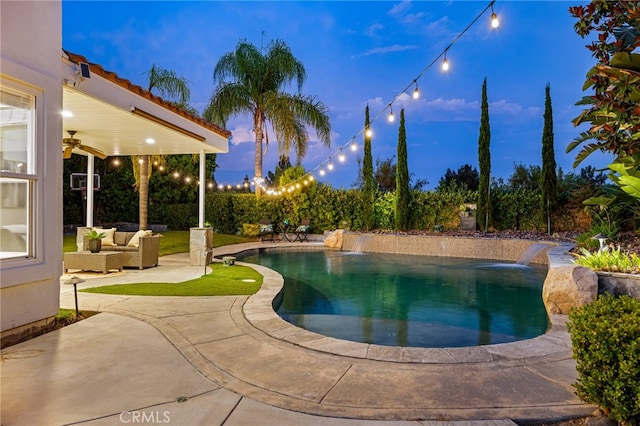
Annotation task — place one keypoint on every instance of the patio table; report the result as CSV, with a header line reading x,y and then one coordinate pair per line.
x,y
103,261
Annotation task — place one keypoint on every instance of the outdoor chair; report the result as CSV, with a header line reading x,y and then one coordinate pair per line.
x,y
302,231
266,230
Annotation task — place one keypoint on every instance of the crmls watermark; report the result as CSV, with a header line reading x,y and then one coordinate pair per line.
x,y
145,417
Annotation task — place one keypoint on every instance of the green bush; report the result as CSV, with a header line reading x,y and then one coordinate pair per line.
x,y
605,336
250,229
609,260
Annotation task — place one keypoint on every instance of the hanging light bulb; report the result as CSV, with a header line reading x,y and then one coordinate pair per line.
x,y
116,162
354,147
445,64
221,187
311,178
321,172
391,116
341,157
495,23
416,92
330,165
368,133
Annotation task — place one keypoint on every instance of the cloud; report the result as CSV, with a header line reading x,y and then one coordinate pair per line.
x,y
388,49
400,8
399,11
373,28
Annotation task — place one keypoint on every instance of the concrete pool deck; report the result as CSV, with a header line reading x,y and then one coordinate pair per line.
x,y
230,360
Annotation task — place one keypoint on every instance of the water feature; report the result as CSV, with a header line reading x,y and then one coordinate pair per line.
x,y
408,300
360,243
527,256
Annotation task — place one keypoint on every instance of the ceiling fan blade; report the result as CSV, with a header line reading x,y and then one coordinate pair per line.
x,y
101,155
67,152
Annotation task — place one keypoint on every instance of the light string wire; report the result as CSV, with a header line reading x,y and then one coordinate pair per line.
x,y
309,175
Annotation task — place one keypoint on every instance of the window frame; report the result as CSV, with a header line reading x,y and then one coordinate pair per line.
x,y
32,175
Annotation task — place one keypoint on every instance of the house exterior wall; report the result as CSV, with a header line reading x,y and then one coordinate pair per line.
x,y
30,50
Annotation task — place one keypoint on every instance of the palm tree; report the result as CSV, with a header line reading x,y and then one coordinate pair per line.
x,y
166,84
250,81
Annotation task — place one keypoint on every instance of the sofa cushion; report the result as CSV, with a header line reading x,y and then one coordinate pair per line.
x,y
135,240
120,238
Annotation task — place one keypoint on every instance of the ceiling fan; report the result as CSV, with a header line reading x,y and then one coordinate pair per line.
x,y
71,143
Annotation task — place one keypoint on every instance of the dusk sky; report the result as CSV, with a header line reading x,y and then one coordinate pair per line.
x,y
361,52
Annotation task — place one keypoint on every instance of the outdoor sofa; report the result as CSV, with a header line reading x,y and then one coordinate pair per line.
x,y
143,254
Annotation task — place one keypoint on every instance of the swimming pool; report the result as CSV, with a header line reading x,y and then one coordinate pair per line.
x,y
408,300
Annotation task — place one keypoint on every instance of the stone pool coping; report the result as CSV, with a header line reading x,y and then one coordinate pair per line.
x,y
555,343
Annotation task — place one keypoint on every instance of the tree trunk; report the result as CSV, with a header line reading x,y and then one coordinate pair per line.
x,y
143,191
257,120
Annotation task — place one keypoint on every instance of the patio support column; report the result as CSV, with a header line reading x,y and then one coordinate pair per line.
x,y
201,189
90,190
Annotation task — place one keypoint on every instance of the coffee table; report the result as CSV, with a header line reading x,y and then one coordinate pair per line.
x,y
103,261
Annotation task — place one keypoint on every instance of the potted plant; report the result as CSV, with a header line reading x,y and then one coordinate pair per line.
x,y
95,240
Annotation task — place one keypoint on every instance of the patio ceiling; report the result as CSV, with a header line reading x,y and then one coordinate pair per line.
x,y
118,118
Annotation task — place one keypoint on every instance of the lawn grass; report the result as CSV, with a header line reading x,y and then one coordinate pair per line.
x,y
172,242
222,281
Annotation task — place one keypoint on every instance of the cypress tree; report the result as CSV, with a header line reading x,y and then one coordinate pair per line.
x,y
368,191
548,178
484,160
402,180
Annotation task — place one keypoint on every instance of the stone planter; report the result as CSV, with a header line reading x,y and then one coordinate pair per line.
x,y
467,222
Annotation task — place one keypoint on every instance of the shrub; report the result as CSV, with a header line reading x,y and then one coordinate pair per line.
x,y
609,260
605,336
250,229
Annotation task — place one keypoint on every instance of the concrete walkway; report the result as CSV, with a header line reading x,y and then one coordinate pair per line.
x,y
230,360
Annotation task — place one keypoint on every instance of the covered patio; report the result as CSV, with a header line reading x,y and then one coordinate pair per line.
x,y
105,115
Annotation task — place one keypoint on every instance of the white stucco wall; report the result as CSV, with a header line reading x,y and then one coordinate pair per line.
x,y
30,52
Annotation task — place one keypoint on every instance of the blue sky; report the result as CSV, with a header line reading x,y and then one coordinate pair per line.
x,y
361,52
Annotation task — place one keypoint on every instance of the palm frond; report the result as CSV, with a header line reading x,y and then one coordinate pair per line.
x,y
169,85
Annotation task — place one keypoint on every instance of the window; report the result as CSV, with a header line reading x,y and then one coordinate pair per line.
x,y
18,176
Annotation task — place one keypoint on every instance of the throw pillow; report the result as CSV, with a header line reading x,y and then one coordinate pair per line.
x,y
108,237
135,240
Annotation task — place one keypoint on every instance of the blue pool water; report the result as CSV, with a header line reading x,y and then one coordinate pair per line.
x,y
405,300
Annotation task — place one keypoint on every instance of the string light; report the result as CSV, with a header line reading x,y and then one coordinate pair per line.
x,y
354,147
416,91
330,165
368,133
445,63
495,23
391,116
341,157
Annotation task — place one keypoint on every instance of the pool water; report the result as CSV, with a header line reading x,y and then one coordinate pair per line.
x,y
408,300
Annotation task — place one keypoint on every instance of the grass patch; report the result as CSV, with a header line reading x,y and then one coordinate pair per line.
x,y
222,281
172,242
